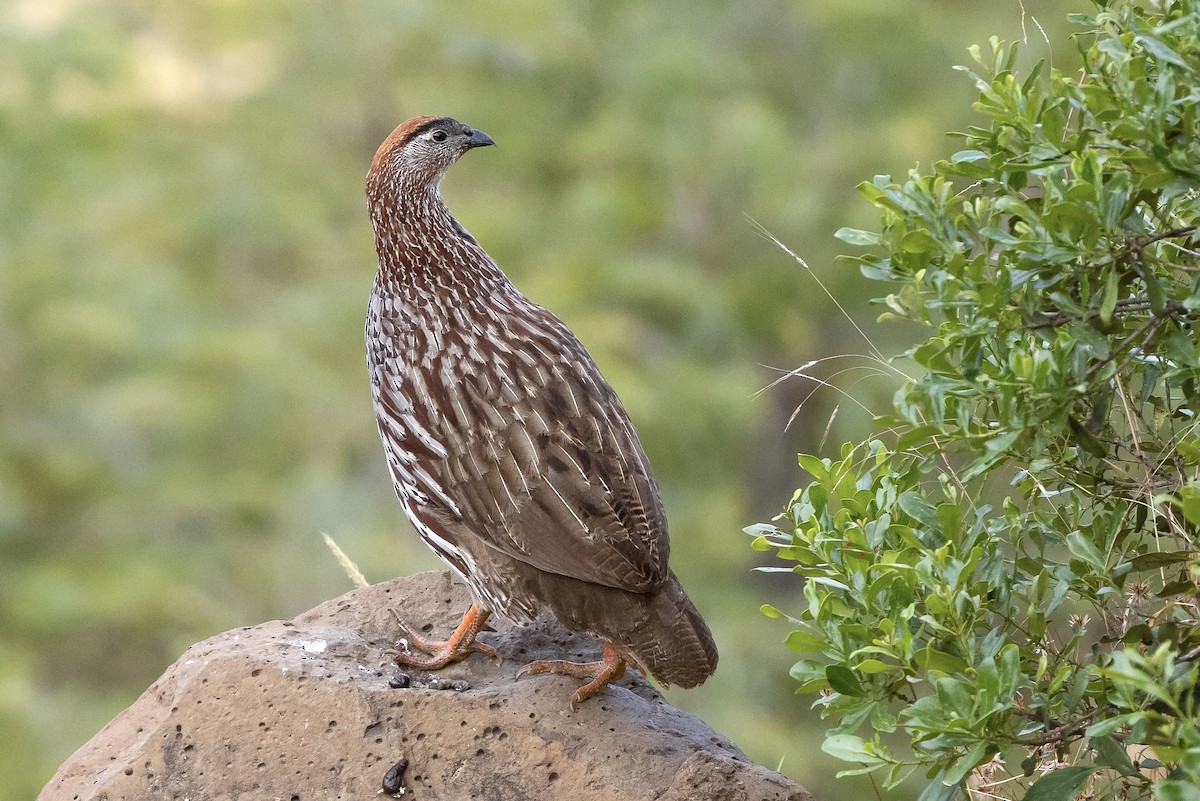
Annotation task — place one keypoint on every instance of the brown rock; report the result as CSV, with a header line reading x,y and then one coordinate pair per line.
x,y
302,710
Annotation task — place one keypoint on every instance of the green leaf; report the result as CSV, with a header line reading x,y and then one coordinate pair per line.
x,y
816,467
1180,587
1107,726
882,720
919,241
1060,785
1189,763
844,680
769,611
850,748
995,448
1010,669
920,509
1082,547
809,672
1160,51
856,236
931,659
966,763
873,192
805,642
968,155
1190,504
938,790
1158,559
999,235
1176,790
1154,291
1109,302
1111,754
952,694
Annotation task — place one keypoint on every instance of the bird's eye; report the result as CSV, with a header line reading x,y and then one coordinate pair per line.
x,y
438,136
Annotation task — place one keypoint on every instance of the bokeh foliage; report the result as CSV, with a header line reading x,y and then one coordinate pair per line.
x,y
1002,586
185,258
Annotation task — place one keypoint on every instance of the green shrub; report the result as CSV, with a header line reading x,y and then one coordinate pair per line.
x,y
1001,586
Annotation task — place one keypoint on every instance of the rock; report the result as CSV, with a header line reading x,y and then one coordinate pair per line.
x,y
304,709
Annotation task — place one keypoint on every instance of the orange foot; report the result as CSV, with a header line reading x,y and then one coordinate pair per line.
x,y
439,653
611,667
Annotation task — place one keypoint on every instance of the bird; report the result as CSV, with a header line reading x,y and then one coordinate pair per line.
x,y
512,457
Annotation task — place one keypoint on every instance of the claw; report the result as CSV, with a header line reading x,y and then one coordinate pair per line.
x,y
439,653
610,668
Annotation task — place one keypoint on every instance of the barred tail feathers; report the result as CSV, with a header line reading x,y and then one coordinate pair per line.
x,y
674,644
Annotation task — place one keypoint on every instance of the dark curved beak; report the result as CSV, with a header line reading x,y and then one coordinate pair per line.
x,y
479,139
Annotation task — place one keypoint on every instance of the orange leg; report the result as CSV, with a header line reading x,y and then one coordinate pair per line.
x,y
610,668
461,644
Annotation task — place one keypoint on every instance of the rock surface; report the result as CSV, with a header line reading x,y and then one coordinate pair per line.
x,y
307,709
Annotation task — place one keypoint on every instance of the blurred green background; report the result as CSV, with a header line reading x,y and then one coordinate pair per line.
x,y
185,258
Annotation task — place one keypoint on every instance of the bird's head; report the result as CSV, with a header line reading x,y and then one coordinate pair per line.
x,y
417,154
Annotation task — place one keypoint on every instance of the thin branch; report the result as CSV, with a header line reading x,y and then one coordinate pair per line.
x,y
1187,268
1052,319
1146,330
1060,734
1169,234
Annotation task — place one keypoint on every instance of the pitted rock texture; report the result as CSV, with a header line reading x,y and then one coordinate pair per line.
x,y
303,709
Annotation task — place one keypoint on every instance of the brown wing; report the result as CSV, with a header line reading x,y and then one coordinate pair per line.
x,y
540,460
